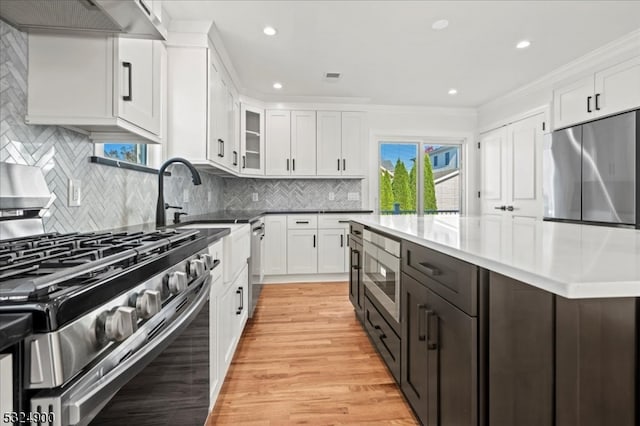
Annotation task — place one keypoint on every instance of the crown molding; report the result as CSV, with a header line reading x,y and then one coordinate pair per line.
x,y
622,48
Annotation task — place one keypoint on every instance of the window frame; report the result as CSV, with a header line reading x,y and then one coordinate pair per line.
x,y
460,142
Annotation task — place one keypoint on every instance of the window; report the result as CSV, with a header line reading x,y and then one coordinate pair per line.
x,y
130,152
401,191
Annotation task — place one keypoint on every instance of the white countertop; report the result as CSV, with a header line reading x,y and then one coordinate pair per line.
x,y
573,261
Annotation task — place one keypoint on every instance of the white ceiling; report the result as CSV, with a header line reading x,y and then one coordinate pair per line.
x,y
388,53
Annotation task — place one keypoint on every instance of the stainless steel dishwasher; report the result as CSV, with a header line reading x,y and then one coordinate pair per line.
x,y
256,264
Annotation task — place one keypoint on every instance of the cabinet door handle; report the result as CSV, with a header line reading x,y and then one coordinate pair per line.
x,y
341,240
430,270
344,165
338,164
129,67
222,140
589,103
287,164
355,259
314,241
293,164
421,334
240,291
235,158
597,103
220,154
432,344
244,161
344,221
302,222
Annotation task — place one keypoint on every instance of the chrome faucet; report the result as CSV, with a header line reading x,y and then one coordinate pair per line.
x,y
160,207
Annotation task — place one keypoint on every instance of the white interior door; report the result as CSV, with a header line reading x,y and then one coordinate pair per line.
x,y
278,143
493,159
303,143
524,183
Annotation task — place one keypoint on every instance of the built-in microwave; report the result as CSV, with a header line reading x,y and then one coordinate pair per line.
x,y
381,267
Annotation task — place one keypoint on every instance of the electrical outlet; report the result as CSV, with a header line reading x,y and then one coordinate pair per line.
x,y
353,196
185,195
332,196
254,196
75,192
208,196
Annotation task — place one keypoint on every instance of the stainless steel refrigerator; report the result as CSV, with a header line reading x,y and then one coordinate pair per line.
x,y
592,172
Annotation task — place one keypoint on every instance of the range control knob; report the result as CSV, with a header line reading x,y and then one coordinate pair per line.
x,y
196,268
177,281
147,303
208,260
116,325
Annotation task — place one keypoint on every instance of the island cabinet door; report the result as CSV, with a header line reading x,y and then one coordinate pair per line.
x,y
439,368
520,354
596,362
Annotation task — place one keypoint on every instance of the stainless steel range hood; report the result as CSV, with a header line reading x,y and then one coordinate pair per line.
x,y
135,18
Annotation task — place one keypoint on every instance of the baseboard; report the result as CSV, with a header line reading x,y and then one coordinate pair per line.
x,y
305,278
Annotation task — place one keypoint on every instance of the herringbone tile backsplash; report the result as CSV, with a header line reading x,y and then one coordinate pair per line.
x,y
290,193
113,197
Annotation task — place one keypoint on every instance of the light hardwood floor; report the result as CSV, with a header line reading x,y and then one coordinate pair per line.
x,y
305,359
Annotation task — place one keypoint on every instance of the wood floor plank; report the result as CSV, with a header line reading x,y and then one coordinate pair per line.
x,y
305,359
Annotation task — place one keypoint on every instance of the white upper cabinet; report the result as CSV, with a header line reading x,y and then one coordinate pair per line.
x,y
618,87
353,142
278,143
203,113
329,143
139,98
608,91
109,87
303,143
291,143
340,143
188,98
251,140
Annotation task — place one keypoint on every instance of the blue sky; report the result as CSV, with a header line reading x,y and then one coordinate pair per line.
x,y
393,151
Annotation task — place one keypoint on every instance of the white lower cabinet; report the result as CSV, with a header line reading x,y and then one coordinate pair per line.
x,y
302,251
331,251
275,245
232,316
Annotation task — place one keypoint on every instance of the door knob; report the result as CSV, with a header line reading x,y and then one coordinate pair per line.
x,y
503,208
510,208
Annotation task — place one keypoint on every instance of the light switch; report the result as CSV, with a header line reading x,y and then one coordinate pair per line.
x,y
254,196
75,192
332,196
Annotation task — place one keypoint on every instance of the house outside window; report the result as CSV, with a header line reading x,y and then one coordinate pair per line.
x,y
447,158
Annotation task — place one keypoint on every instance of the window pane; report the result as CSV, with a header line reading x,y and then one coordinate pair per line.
x,y
397,178
442,185
131,152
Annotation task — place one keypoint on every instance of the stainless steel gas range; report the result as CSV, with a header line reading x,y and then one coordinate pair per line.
x,y
102,305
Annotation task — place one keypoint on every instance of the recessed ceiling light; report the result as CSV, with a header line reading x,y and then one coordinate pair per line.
x,y
270,31
453,91
440,24
277,86
523,44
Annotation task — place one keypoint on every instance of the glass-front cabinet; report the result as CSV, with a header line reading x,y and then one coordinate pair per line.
x,y
252,140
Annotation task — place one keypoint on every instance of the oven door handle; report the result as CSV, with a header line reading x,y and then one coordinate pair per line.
x,y
90,402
